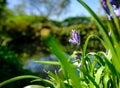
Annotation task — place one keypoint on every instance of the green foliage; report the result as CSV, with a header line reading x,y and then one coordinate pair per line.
x,y
76,20
97,69
29,29
2,6
92,69
11,67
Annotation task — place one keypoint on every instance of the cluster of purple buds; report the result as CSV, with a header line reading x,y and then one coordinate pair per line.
x,y
115,5
75,39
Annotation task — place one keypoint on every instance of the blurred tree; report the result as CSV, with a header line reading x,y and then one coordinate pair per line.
x,y
19,9
2,6
4,11
45,8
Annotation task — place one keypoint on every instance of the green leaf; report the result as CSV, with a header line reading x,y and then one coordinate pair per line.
x,y
103,30
90,78
106,79
18,78
57,80
62,58
98,22
99,74
48,62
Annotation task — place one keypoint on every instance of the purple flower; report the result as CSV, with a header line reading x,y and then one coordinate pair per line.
x,y
75,39
115,5
117,12
105,6
76,57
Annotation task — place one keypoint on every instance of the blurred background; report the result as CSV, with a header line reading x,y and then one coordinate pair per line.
x,y
22,22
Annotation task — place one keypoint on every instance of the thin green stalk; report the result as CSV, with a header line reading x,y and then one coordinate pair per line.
x,y
116,28
89,77
85,49
18,78
116,22
87,41
48,62
113,34
97,20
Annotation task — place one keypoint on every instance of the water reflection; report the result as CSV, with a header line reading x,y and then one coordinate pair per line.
x,y
41,69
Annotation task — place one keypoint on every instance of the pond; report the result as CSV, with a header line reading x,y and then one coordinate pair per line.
x,y
41,69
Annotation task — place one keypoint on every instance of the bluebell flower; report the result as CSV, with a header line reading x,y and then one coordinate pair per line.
x,y
76,57
115,5
105,6
117,12
75,39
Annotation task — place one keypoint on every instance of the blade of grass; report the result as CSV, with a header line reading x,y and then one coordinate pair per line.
x,y
106,79
87,41
18,78
85,48
109,64
48,62
99,74
102,28
113,33
114,17
57,50
89,77
116,30
97,20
